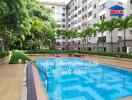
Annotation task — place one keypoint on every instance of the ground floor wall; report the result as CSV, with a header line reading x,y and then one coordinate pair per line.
x,y
107,47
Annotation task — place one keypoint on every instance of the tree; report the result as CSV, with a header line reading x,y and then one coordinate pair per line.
x,y
88,32
124,24
26,20
67,34
83,35
101,27
110,26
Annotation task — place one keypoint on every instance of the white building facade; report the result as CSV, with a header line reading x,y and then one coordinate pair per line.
x,y
59,12
82,13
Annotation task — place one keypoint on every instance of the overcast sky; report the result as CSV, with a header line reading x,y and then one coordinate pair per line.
x,y
66,1
69,0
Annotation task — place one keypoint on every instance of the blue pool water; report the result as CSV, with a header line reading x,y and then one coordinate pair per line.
x,y
76,79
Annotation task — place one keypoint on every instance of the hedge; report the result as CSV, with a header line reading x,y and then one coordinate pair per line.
x,y
16,56
110,54
46,52
3,54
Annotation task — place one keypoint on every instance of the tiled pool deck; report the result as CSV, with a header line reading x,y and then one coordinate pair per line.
x,y
11,76
11,79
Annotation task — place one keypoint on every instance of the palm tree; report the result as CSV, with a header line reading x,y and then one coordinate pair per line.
x,y
110,26
67,35
78,35
124,24
88,32
58,33
83,36
73,35
101,27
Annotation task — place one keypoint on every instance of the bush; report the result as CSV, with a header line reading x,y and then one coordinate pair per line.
x,y
45,52
16,56
4,54
110,54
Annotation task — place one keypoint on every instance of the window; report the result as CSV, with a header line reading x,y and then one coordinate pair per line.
x,y
75,15
130,32
85,8
64,9
102,17
63,20
120,3
79,12
95,6
79,27
90,5
63,42
130,3
63,14
102,7
94,15
102,39
119,38
90,13
118,49
53,7
89,49
69,25
119,29
63,26
75,8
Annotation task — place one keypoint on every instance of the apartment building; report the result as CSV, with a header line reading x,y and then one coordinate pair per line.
x,y
82,13
59,11
91,12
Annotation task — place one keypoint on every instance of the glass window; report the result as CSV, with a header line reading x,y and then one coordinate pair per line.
x,y
103,6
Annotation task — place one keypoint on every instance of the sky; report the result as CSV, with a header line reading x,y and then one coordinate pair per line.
x,y
66,1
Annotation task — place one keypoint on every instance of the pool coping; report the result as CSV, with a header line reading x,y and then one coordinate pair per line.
x,y
54,55
35,89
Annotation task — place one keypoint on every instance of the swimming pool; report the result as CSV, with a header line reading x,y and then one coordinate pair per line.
x,y
76,79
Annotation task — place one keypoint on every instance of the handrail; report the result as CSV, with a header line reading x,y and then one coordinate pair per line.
x,y
31,91
43,74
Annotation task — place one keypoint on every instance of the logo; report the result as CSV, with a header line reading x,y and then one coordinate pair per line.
x,y
116,11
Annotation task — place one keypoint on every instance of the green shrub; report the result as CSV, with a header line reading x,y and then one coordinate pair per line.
x,y
16,56
3,54
45,52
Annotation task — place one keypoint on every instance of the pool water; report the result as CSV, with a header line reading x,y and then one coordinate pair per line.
x,y
76,79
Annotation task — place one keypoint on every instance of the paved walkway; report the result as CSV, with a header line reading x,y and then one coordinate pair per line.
x,y
121,62
11,78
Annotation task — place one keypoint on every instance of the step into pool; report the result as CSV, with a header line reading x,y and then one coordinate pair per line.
x,y
76,79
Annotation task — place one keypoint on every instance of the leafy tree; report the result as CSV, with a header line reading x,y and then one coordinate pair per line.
x,y
26,20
